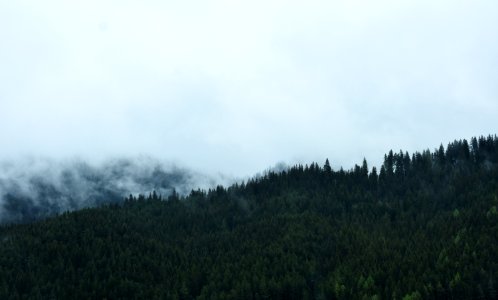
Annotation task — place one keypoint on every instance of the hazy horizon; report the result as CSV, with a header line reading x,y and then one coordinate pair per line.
x,y
236,87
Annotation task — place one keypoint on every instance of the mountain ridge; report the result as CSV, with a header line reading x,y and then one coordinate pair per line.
x,y
423,226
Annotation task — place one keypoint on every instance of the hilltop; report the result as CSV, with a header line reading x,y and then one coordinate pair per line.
x,y
422,226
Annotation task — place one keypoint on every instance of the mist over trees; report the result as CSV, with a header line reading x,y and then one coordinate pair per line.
x,y
35,188
422,226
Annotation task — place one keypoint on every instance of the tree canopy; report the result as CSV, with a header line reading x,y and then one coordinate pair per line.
x,y
424,227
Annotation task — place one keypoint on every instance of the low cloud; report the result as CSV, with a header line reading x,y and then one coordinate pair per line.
x,y
33,188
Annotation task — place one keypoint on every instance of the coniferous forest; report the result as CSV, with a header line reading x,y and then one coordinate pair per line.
x,y
422,226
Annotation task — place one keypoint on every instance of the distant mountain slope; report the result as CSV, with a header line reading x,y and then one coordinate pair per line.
x,y
32,189
424,226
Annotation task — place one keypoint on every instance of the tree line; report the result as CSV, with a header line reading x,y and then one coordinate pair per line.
x,y
422,226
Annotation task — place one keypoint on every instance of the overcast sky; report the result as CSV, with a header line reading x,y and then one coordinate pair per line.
x,y
238,86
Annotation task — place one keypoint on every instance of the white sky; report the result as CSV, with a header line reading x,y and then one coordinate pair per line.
x,y
238,86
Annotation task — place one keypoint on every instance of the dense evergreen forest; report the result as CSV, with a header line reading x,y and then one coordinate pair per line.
x,y
423,226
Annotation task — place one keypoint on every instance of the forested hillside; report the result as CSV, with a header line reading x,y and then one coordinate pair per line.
x,y
423,226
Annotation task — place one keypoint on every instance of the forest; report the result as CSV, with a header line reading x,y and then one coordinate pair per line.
x,y
421,226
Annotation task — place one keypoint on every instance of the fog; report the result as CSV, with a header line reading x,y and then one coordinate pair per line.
x,y
232,87
36,187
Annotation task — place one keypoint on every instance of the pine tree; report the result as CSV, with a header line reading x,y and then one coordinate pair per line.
x,y
326,167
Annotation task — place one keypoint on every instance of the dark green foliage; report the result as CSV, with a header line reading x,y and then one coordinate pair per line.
x,y
425,227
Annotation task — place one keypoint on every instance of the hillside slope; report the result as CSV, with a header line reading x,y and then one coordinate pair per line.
x,y
423,226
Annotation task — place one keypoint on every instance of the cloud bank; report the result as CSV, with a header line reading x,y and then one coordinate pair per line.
x,y
235,86
34,188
